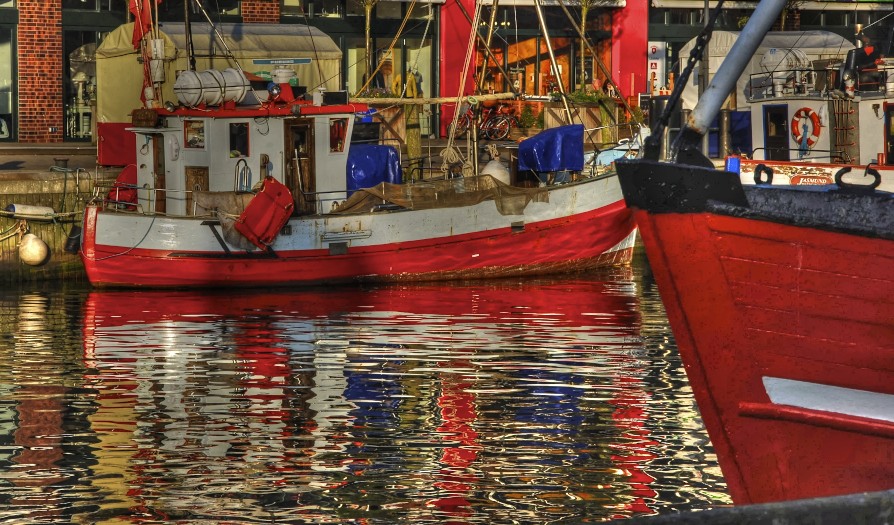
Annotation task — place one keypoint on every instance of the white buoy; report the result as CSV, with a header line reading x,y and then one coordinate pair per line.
x,y
33,251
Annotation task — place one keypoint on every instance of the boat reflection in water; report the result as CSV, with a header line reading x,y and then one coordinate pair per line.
x,y
471,403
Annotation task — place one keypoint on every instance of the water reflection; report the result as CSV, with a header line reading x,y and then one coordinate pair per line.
x,y
502,402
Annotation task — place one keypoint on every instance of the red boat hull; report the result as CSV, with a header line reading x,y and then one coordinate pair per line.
x,y
787,335
578,243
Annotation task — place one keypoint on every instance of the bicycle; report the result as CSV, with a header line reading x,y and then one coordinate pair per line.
x,y
495,122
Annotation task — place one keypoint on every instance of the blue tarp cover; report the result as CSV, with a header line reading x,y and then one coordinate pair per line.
x,y
554,149
370,164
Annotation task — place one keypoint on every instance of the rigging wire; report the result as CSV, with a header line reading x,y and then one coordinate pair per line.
x,y
217,33
313,43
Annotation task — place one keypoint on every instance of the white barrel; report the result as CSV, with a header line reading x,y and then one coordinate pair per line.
x,y
236,85
283,75
28,211
211,87
188,88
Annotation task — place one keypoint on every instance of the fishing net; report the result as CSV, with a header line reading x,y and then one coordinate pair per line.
x,y
446,193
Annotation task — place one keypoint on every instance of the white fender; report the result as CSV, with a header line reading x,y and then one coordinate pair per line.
x,y
33,251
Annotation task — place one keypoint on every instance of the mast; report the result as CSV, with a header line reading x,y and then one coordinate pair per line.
x,y
552,59
490,34
190,50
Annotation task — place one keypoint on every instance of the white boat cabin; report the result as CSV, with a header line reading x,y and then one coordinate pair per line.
x,y
828,111
230,147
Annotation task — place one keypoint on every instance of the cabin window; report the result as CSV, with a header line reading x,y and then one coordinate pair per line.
x,y
194,134
338,130
238,139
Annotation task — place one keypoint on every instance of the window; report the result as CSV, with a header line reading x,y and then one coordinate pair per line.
x,y
172,10
682,17
194,134
238,139
837,18
292,8
355,52
7,81
89,5
387,9
325,8
338,131
422,10
418,62
114,6
658,16
354,8
79,93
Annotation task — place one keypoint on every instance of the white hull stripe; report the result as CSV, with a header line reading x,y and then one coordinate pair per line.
x,y
815,396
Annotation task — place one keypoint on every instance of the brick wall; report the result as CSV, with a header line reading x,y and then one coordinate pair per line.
x,y
40,71
261,11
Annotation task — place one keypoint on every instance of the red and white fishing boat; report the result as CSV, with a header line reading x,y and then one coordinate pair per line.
x,y
781,299
236,186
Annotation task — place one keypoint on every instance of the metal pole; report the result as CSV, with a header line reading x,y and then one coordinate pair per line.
x,y
486,48
552,59
490,34
703,72
190,50
724,132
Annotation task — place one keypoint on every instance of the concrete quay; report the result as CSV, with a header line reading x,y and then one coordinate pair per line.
x,y
59,176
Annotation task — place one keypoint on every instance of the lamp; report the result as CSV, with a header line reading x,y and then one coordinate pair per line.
x,y
274,90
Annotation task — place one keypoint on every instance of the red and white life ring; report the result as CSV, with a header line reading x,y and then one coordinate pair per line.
x,y
806,114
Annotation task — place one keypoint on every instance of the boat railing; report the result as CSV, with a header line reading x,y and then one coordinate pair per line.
x,y
123,197
143,199
806,82
834,156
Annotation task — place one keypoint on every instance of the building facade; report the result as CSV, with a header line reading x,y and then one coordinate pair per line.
x,y
47,69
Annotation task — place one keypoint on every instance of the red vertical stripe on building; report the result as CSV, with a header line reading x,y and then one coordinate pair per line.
x,y
630,39
455,33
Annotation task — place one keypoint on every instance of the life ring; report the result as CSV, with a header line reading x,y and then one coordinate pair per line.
x,y
816,127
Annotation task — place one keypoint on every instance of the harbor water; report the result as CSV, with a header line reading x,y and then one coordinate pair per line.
x,y
547,400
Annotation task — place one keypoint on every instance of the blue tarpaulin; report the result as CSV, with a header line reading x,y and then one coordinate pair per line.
x,y
554,149
370,164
